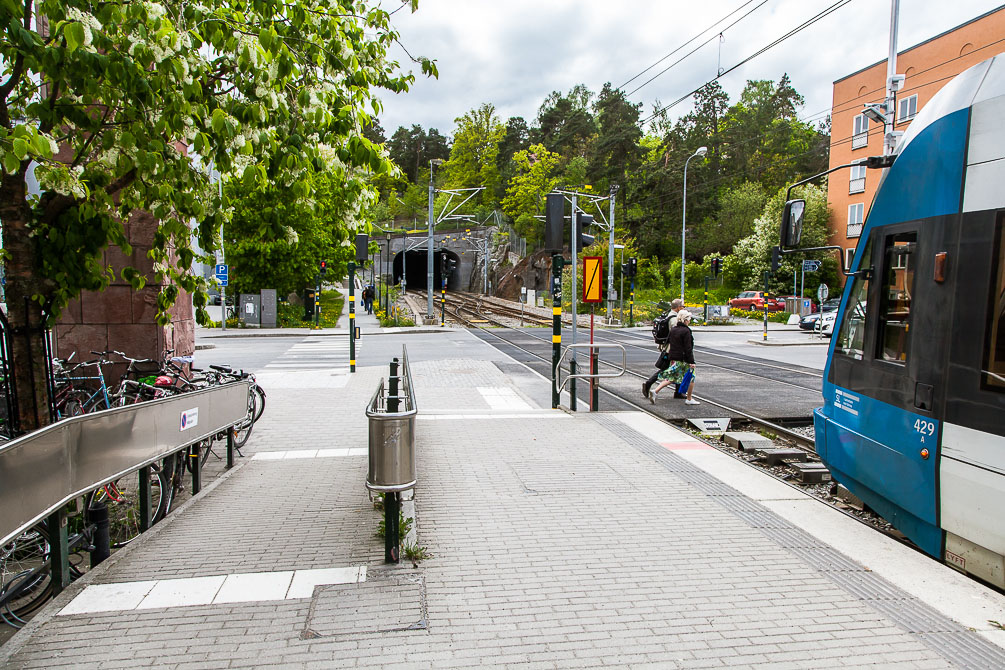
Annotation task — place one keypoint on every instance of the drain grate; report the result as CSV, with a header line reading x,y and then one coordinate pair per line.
x,y
382,604
560,477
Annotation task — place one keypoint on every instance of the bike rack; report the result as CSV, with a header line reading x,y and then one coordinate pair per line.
x,y
595,347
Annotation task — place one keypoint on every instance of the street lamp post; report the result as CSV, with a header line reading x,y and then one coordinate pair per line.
x,y
429,244
683,226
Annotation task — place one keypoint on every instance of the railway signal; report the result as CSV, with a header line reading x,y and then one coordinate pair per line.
x,y
582,240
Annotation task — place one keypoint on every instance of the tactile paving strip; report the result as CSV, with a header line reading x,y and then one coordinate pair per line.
x,y
938,632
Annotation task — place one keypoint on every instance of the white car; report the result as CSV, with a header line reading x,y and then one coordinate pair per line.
x,y
826,325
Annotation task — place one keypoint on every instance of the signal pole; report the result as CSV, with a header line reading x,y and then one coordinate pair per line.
x,y
893,82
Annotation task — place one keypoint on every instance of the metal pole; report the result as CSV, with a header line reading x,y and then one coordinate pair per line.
x,y
429,250
223,259
556,326
706,299
574,298
194,453
802,283
392,507
144,493
631,306
100,541
766,305
621,291
352,317
392,387
890,142
59,553
683,229
230,447
485,287
610,265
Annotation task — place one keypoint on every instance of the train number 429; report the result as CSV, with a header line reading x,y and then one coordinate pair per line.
x,y
924,427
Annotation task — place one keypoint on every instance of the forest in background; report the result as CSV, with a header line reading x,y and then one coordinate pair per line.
x,y
586,141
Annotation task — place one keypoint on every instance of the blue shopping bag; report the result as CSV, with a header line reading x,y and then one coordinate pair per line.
x,y
686,382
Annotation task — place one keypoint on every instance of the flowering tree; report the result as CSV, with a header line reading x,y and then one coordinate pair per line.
x,y
120,106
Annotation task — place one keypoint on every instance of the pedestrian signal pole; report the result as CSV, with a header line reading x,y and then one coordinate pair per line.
x,y
352,317
556,326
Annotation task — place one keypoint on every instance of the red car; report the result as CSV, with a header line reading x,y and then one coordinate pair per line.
x,y
754,300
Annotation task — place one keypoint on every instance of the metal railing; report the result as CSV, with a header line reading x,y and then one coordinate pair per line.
x,y
594,376
391,417
44,470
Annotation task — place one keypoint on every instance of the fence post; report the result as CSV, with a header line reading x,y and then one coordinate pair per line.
x,y
144,491
59,553
98,516
392,533
392,389
196,463
230,447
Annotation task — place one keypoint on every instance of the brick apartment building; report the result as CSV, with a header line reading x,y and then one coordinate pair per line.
x,y
927,67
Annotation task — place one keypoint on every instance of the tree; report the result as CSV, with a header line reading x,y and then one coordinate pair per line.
x,y
276,239
564,123
537,174
475,149
737,209
616,149
753,253
122,105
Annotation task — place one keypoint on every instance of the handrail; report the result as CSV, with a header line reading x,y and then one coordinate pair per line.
x,y
598,375
45,469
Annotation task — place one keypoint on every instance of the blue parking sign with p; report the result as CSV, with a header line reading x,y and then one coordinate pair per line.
x,y
221,270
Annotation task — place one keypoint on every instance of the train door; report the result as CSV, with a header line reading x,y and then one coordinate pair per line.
x,y
882,433
972,468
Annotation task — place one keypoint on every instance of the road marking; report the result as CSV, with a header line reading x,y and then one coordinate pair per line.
x,y
214,590
501,398
308,453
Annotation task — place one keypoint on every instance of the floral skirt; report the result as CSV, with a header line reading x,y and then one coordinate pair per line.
x,y
675,372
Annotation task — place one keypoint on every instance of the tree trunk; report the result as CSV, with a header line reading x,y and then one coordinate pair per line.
x,y
25,316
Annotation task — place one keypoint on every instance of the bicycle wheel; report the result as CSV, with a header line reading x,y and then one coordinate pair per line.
x,y
205,447
122,497
259,398
25,582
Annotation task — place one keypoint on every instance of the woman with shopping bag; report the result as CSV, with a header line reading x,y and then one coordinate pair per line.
x,y
681,369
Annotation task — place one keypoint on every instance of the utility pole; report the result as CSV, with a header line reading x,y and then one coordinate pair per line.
x,y
893,83
429,244
610,261
575,263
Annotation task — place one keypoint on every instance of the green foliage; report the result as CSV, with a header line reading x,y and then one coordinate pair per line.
x,y
473,156
536,174
758,315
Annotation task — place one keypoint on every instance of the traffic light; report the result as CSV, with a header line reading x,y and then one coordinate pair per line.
x,y
362,247
443,264
633,267
582,239
776,257
716,267
451,266
554,214
323,268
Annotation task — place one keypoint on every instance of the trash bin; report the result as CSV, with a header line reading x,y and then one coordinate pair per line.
x,y
392,446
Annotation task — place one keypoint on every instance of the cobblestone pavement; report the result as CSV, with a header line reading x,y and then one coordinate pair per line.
x,y
556,541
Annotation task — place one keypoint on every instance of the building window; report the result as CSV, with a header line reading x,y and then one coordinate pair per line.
x,y
860,137
907,108
856,215
856,184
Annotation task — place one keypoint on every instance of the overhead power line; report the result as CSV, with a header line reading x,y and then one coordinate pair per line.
x,y
689,53
806,24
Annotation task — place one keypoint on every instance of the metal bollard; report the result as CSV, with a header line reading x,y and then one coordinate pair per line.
x,y
230,447
144,492
594,382
392,533
102,544
392,387
196,464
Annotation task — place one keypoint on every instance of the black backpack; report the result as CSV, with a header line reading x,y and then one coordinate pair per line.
x,y
661,328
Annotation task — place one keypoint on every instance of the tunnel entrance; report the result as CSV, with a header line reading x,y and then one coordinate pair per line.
x,y
412,265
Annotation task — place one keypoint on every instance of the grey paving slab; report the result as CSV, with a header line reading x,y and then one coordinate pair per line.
x,y
568,542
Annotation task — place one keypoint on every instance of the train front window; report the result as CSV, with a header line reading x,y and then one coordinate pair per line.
x,y
895,297
851,336
994,350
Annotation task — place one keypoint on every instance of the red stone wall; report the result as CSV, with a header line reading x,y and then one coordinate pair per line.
x,y
121,318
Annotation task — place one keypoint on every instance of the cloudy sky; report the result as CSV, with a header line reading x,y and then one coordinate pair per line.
x,y
513,53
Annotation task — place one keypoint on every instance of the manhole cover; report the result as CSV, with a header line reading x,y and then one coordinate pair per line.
x,y
586,477
381,604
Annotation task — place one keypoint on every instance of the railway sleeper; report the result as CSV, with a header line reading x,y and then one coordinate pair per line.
x,y
782,456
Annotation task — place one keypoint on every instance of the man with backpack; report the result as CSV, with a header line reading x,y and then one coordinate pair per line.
x,y
662,326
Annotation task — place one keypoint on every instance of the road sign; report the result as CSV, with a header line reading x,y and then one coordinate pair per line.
x,y
811,266
593,268
221,281
822,292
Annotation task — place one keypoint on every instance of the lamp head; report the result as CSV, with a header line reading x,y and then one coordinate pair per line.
x,y
701,151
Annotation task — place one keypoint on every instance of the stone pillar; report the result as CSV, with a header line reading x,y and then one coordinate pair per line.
x,y
122,318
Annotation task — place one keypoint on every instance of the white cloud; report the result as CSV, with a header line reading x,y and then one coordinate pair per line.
x,y
513,53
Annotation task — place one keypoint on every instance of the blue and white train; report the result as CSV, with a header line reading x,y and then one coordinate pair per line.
x,y
913,421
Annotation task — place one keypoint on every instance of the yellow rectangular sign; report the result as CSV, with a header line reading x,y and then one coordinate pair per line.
x,y
593,269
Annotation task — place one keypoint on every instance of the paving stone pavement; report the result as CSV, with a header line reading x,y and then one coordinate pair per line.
x,y
556,541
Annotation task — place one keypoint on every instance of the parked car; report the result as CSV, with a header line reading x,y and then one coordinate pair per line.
x,y
809,321
754,300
